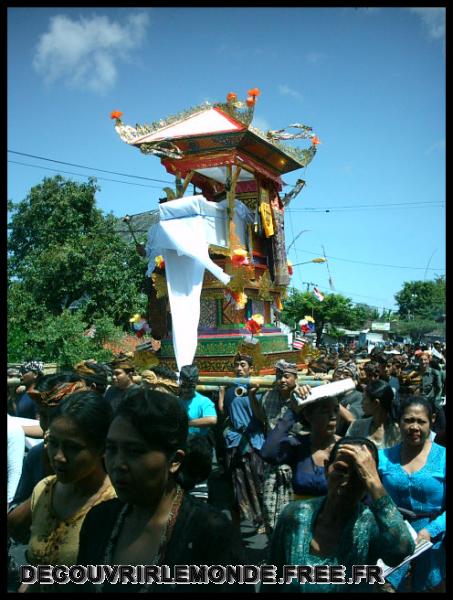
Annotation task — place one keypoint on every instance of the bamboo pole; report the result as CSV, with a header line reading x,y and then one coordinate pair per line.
x,y
187,180
209,383
230,206
261,381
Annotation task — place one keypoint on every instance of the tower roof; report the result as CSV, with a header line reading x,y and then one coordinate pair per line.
x,y
212,135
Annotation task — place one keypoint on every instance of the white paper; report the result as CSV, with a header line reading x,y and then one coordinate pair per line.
x,y
328,390
419,549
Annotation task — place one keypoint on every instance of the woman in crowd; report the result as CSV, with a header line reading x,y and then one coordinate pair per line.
x,y
305,454
339,529
414,473
48,392
60,502
154,521
381,424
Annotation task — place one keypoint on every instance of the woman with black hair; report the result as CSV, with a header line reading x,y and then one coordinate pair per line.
x,y
305,454
414,474
339,529
153,521
75,446
381,424
48,392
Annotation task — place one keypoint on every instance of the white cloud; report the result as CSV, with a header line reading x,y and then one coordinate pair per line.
x,y
434,20
437,146
86,52
260,123
285,90
315,57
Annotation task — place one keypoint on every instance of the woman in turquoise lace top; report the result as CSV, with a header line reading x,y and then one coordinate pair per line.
x,y
338,529
413,473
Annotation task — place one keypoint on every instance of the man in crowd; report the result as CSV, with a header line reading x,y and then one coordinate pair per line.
x,y
430,384
25,406
123,372
94,375
351,401
278,489
244,438
200,409
202,418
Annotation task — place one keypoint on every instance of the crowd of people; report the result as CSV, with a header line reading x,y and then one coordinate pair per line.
x,y
109,466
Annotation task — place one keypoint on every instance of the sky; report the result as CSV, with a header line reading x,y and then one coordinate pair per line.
x,y
369,81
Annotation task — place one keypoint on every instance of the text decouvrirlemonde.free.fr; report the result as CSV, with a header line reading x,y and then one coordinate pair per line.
x,y
199,574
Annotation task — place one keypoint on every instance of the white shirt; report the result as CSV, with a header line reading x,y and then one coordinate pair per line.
x,y
16,450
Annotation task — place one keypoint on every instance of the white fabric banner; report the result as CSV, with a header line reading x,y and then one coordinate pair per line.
x,y
182,236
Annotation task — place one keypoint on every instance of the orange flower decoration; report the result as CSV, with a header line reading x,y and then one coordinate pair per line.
x,y
254,92
315,140
251,101
240,258
254,324
159,262
232,97
116,114
290,267
240,299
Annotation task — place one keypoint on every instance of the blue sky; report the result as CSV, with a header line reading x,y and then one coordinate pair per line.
x,y
370,82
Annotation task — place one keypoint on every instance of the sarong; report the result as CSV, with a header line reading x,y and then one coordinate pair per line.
x,y
247,476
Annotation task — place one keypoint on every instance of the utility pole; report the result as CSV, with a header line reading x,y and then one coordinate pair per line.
x,y
308,284
328,270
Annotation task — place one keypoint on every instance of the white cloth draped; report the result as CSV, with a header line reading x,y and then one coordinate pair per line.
x,y
182,236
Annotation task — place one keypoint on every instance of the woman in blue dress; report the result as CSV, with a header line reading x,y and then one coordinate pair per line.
x,y
339,529
413,473
305,454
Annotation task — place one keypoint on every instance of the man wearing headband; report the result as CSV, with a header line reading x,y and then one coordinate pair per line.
x,y
161,379
93,374
244,438
123,371
278,489
30,371
350,402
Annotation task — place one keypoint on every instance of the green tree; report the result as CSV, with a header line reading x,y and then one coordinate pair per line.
x,y
334,309
67,269
63,249
423,300
61,339
416,328
362,313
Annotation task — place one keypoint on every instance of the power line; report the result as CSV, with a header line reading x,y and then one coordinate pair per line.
x,y
364,205
327,290
368,209
84,175
374,264
85,167
301,209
